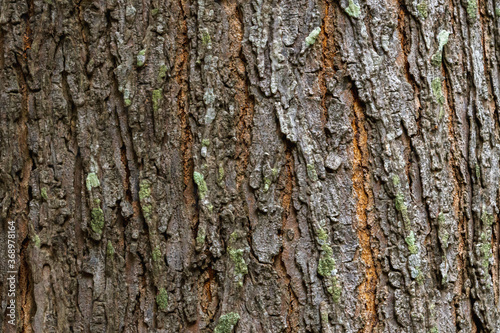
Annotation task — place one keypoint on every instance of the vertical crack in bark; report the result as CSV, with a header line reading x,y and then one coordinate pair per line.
x,y
181,76
329,51
28,307
25,280
292,315
364,203
402,59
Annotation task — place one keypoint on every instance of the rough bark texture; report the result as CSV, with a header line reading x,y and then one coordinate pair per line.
x,y
251,166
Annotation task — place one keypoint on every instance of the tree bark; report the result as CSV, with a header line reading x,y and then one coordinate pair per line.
x,y
251,166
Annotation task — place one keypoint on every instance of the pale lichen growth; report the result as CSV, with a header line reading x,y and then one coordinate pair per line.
x,y
487,219
311,172
156,255
267,184
97,220
395,180
144,190
327,266
353,9
313,36
442,232
205,37
162,73
162,299
236,255
442,40
472,9
220,178
422,9
141,58
437,90
156,99
410,240
227,323
43,193
399,203
110,250
92,181
485,250
200,238
199,179
335,289
36,241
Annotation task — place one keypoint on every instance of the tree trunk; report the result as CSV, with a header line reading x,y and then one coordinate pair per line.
x,y
250,166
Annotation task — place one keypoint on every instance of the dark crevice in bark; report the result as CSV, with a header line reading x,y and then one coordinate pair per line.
x,y
25,281
362,189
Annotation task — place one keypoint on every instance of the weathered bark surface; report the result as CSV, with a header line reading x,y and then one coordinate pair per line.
x,y
262,166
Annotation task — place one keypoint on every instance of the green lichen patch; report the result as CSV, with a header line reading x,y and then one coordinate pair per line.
x,y
157,94
478,172
437,90
156,254
442,38
444,236
437,58
326,265
472,9
162,72
311,172
395,180
274,172
227,322
267,184
200,237
497,11
353,9
487,219
97,220
92,181
434,330
43,193
441,219
144,190
205,142
399,203
420,277
205,37
199,179
220,178
313,36
162,299
322,235
36,241
422,9
110,250
240,266
335,289
141,58
127,102
324,317
147,211
485,249
410,240
154,12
